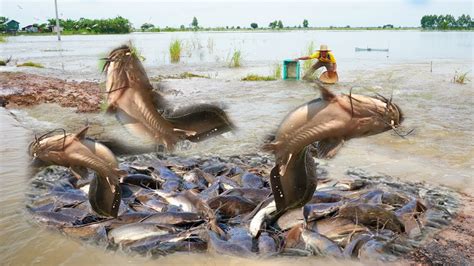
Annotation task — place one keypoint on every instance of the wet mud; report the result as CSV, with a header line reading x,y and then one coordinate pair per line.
x,y
22,89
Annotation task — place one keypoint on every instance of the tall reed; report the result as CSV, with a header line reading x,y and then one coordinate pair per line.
x,y
309,51
175,51
236,59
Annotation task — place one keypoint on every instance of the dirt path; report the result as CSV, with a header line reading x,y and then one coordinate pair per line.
x,y
21,89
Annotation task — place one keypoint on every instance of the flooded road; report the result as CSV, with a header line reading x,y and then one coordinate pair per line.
x,y
440,151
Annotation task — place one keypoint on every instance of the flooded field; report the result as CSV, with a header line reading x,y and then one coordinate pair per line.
x,y
440,151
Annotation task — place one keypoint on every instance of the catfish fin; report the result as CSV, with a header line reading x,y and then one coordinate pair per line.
x,y
79,171
326,94
188,133
328,148
285,165
271,147
206,120
82,133
110,109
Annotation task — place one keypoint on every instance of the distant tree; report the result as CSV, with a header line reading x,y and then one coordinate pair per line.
x,y
464,21
305,23
182,27
238,27
2,23
147,26
280,24
273,24
195,23
254,25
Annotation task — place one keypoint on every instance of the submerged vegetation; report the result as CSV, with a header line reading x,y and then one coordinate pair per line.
x,y
254,77
277,70
184,75
460,78
309,50
30,64
5,62
236,59
175,51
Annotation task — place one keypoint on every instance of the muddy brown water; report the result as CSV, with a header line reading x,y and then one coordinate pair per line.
x,y
440,151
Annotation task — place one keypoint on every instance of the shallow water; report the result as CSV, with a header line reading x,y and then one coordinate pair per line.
x,y
440,151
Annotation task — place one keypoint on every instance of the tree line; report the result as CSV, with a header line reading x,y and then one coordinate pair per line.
x,y
194,25
110,25
446,22
82,25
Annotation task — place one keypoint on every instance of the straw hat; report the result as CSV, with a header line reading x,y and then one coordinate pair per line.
x,y
323,47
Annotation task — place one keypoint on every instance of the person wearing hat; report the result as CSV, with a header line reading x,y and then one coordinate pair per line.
x,y
325,59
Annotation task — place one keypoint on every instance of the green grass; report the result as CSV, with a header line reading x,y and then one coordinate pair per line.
x,y
3,39
184,75
460,78
277,70
30,64
236,59
309,51
254,77
175,51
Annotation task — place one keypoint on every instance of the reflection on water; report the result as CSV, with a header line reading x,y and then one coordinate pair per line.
x,y
439,151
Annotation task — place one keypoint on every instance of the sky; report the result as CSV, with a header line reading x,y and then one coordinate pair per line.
x,y
212,13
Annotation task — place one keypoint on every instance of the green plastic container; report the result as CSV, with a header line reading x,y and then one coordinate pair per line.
x,y
291,69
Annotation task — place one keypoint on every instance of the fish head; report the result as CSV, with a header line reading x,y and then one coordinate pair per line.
x,y
389,112
120,64
47,147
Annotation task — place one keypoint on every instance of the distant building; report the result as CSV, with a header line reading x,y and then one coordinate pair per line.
x,y
30,28
12,26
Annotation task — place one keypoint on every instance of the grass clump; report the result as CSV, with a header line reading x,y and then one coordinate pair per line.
x,y
31,64
184,75
460,78
277,70
309,51
188,75
3,39
175,51
254,77
236,59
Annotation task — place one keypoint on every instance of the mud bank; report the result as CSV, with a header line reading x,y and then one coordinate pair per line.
x,y
22,89
452,245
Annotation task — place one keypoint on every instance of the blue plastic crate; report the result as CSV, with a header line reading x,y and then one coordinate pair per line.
x,y
291,69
